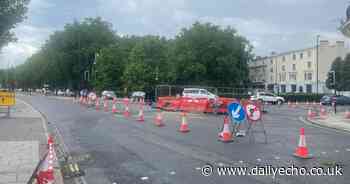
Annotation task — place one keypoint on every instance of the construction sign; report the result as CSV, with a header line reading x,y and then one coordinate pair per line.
x,y
7,98
253,111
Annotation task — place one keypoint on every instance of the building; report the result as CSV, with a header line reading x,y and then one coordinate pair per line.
x,y
296,71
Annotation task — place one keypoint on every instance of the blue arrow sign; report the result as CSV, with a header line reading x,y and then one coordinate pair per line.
x,y
236,111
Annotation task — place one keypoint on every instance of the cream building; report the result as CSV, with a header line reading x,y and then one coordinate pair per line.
x,y
296,71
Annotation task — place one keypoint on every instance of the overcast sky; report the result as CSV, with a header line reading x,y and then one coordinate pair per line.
x,y
270,25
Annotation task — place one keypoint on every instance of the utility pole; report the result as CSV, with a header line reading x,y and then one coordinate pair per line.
x,y
317,57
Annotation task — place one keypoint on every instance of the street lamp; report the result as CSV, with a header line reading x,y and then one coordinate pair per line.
x,y
317,48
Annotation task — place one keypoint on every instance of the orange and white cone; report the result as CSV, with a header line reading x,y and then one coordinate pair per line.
x,y
105,105
302,151
226,134
114,107
347,114
310,114
141,117
158,121
97,104
126,111
323,113
184,126
46,172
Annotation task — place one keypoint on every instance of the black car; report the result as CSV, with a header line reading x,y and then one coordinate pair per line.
x,y
339,99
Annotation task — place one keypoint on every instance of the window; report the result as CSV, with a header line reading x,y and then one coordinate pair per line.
x,y
293,87
308,53
301,89
271,78
294,57
294,67
309,88
283,58
271,70
309,64
283,68
308,76
270,87
203,92
283,88
283,77
301,55
292,76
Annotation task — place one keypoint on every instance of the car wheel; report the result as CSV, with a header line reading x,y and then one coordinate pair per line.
x,y
279,102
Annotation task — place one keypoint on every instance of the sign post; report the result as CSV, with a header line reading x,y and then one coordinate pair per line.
x,y
254,116
238,115
7,99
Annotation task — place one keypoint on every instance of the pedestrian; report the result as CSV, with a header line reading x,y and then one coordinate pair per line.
x,y
334,104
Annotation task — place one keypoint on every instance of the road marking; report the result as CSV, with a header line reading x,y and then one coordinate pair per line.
x,y
198,168
259,160
323,152
336,151
241,161
220,164
172,173
144,178
277,157
347,149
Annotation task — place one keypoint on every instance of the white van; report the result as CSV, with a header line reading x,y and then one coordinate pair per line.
x,y
199,93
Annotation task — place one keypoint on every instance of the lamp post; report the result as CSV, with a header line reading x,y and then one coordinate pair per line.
x,y
317,56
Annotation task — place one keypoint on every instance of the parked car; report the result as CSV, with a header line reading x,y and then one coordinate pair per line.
x,y
339,99
61,93
199,93
69,92
108,94
268,97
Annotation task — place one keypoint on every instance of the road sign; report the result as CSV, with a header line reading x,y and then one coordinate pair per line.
x,y
253,112
7,99
236,111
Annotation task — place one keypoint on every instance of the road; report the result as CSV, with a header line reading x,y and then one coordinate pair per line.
x,y
126,151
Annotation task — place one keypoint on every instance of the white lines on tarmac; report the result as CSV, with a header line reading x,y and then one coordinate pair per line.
x,y
144,178
258,159
347,149
172,172
277,157
337,151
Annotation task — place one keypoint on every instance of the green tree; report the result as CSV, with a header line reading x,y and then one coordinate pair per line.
x,y
12,12
209,55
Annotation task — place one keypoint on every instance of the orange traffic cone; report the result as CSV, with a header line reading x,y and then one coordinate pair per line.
x,y
184,126
105,105
141,116
97,104
226,134
347,114
46,172
126,111
114,107
310,114
323,112
302,151
158,121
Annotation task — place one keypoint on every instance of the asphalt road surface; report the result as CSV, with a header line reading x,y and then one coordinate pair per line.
x,y
126,151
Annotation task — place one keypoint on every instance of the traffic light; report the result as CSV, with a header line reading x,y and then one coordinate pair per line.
x,y
331,78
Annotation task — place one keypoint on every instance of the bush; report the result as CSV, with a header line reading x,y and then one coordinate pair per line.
x,y
301,97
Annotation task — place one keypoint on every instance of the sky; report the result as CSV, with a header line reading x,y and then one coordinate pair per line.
x,y
269,25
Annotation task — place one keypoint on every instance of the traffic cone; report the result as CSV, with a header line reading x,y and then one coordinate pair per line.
x,y
184,126
46,172
310,114
105,105
114,107
141,116
97,104
323,112
126,111
226,134
302,151
158,121
347,114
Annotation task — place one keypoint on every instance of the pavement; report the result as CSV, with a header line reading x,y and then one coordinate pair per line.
x,y
337,121
23,140
122,150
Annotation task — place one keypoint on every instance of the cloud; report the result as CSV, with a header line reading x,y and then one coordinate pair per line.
x,y
30,39
39,6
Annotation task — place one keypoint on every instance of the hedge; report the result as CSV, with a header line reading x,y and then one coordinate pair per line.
x,y
301,97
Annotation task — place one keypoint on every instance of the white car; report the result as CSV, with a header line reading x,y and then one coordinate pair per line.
x,y
199,93
61,93
268,97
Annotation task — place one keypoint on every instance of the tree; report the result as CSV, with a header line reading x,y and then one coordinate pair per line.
x,y
341,70
12,12
209,55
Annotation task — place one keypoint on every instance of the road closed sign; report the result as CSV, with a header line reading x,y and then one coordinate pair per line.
x,y
7,98
253,111
236,111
